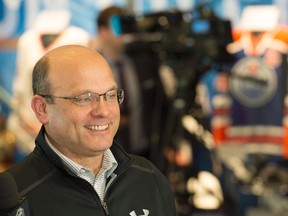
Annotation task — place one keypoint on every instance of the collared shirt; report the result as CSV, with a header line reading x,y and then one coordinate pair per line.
x,y
98,182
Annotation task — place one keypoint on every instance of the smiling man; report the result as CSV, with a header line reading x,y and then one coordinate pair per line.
x,y
76,168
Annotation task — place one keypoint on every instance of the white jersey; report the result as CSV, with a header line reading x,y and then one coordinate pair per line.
x,y
22,121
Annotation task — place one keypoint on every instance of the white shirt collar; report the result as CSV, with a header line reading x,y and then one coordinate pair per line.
x,y
109,162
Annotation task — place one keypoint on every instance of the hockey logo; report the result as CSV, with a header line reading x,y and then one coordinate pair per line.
x,y
145,211
253,83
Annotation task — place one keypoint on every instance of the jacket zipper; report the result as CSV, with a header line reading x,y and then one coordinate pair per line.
x,y
104,204
105,207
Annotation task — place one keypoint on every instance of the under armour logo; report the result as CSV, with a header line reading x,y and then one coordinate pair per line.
x,y
145,211
20,212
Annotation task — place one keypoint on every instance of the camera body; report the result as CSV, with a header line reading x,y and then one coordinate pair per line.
x,y
178,34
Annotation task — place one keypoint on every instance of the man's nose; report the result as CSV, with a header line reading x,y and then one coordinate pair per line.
x,y
100,106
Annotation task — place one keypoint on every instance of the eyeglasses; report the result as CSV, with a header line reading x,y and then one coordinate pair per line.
x,y
88,98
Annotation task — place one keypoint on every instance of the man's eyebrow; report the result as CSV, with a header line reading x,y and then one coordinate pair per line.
x,y
114,87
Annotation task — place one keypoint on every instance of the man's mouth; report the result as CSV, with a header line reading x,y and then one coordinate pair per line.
x,y
97,127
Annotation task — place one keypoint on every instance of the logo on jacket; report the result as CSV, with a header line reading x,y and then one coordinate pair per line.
x,y
20,212
145,211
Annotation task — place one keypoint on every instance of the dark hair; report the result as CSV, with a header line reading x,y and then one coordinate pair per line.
x,y
104,16
40,81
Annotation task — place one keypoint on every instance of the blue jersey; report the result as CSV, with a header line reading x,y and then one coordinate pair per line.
x,y
257,86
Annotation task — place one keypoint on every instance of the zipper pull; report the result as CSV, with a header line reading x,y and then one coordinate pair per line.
x,y
105,207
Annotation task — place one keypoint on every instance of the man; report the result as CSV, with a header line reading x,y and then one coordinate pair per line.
x,y
51,29
132,134
76,168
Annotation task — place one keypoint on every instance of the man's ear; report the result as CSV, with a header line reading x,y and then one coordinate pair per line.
x,y
39,106
105,32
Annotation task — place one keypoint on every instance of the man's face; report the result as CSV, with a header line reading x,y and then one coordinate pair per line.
x,y
75,130
111,41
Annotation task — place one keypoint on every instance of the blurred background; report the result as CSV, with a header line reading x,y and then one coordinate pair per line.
x,y
210,75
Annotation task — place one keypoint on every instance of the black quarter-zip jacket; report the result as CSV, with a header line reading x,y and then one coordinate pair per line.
x,y
137,189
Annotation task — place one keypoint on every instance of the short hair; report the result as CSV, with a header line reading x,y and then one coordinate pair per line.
x,y
40,80
104,16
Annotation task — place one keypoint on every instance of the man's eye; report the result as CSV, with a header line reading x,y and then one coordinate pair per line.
x,y
83,99
110,96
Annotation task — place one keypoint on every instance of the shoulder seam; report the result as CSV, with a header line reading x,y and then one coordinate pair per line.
x,y
35,184
142,168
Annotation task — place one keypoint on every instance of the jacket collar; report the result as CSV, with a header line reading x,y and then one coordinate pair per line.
x,y
123,158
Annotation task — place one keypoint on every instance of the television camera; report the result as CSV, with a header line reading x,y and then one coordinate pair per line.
x,y
190,42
